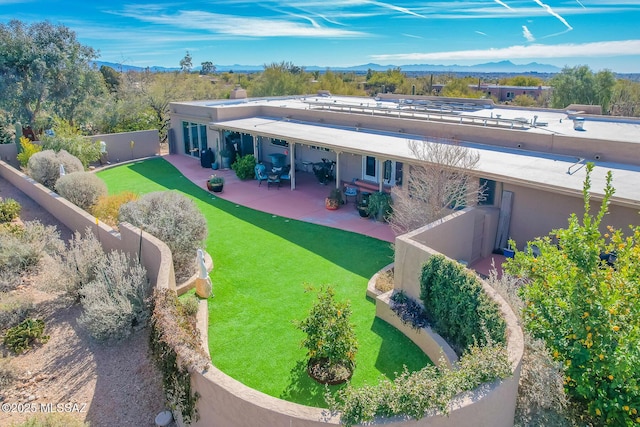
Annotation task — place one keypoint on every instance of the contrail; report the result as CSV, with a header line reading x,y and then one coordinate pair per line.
x,y
503,4
527,34
553,13
580,3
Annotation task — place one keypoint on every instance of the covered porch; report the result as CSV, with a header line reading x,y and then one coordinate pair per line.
x,y
304,203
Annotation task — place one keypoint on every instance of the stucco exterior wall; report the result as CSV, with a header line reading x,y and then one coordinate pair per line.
x,y
527,222
154,254
146,144
8,153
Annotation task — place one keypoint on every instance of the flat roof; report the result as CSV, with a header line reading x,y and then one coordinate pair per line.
x,y
559,173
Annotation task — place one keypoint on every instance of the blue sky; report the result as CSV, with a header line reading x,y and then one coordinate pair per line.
x,y
601,34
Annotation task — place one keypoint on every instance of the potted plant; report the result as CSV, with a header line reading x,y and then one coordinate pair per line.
x,y
215,183
363,204
379,206
333,201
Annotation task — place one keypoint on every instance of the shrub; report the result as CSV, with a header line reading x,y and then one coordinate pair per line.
x,y
384,282
409,310
57,419
457,306
117,301
189,305
174,219
81,188
428,390
380,206
172,335
28,149
329,334
108,206
68,140
21,337
79,264
9,210
584,305
44,166
244,166
13,309
22,248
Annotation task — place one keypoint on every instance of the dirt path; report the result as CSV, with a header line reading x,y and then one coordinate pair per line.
x,y
113,384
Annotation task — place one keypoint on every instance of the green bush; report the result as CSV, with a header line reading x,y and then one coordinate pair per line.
x,y
189,305
81,188
413,394
174,219
457,306
82,148
116,302
244,166
582,300
21,337
28,149
380,206
329,334
44,166
9,210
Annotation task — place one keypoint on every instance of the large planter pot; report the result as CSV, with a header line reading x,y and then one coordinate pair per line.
x,y
216,188
331,204
362,210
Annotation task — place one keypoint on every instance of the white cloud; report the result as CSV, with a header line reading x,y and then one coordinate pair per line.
x,y
527,34
534,51
481,33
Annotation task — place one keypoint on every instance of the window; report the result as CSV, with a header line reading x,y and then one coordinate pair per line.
x,y
279,142
488,195
370,169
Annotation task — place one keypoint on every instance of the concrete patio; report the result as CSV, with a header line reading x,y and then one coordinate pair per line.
x,y
305,203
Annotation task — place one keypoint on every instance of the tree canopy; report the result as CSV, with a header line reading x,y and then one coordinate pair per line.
x,y
44,66
579,85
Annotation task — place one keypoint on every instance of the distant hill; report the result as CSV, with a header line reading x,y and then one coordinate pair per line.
x,y
489,67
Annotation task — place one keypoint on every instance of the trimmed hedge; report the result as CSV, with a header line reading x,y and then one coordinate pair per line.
x,y
457,306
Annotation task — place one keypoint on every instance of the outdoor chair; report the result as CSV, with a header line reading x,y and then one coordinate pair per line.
x,y
285,174
261,173
350,191
273,178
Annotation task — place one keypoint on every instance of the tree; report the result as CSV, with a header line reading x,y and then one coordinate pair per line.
x,y
524,101
207,68
582,300
186,63
282,78
437,184
625,98
578,85
41,65
459,88
111,78
521,81
386,81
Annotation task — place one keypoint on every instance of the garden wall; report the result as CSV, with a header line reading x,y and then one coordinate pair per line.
x,y
8,153
146,143
154,254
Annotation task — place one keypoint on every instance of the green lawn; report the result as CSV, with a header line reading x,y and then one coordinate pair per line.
x,y
263,267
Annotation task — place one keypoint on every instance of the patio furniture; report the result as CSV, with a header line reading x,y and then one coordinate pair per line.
x,y
285,174
273,178
350,191
261,173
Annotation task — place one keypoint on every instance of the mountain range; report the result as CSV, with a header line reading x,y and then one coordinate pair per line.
x,y
489,67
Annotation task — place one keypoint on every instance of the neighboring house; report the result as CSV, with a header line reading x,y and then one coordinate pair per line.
x,y
535,158
504,93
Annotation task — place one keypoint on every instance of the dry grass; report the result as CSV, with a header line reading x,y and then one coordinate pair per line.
x,y
384,282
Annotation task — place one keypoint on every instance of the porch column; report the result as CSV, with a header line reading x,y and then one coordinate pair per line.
x,y
338,168
292,162
380,173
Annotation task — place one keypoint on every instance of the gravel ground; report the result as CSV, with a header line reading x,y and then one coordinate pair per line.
x,y
113,384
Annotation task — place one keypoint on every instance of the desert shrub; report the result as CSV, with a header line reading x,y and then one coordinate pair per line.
x,y
21,337
172,335
412,394
28,149
380,206
189,305
78,264
13,309
384,282
116,302
21,248
9,210
8,373
44,166
244,166
457,306
56,419
174,219
81,188
329,333
108,206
